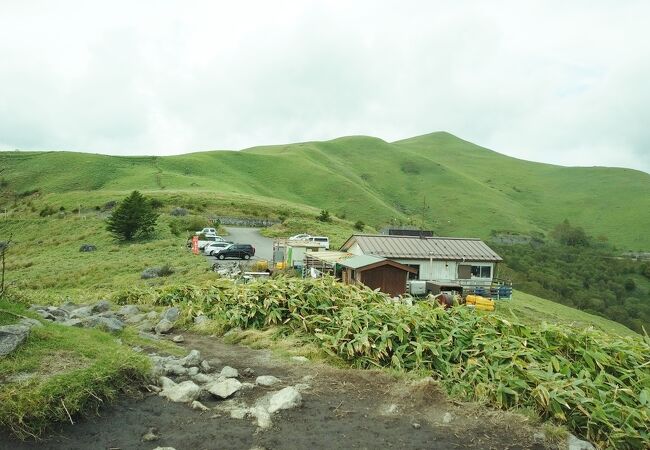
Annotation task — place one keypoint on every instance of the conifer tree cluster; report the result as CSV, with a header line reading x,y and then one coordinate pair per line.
x,y
135,216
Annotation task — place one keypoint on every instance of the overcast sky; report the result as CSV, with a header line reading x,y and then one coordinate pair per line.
x,y
564,82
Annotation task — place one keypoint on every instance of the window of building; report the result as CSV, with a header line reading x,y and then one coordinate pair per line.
x,y
481,272
416,275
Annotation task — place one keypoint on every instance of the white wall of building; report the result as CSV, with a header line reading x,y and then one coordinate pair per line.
x,y
444,270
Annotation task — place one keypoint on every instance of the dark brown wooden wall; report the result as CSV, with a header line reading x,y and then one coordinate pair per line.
x,y
388,279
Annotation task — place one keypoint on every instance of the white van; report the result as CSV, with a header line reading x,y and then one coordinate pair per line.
x,y
322,241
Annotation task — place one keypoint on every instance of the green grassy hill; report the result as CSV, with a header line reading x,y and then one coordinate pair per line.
x,y
468,190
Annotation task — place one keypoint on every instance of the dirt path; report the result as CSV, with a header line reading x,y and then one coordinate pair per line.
x,y
341,409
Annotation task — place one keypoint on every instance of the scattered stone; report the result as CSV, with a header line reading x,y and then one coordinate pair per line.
x,y
154,388
266,380
164,326
539,438
307,378
205,366
416,425
202,378
193,371
166,383
199,406
246,385
184,392
302,387
146,325
69,306
192,359
178,339
447,418
263,417
87,248
152,315
150,435
150,272
286,398
164,448
11,336
172,314
128,310
79,323
82,312
45,314
238,413
225,388
58,313
109,324
573,443
175,369
100,307
201,320
248,372
135,318
229,372
300,359
29,322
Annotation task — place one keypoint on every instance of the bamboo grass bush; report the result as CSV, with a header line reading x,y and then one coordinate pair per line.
x,y
596,384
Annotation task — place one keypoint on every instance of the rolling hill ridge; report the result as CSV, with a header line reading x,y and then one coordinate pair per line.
x,y
453,186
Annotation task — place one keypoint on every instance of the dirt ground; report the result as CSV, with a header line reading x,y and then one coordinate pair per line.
x,y
347,409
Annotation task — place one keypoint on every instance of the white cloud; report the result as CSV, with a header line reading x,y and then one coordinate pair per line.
x,y
559,82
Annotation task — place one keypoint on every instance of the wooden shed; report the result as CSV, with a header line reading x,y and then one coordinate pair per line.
x,y
389,276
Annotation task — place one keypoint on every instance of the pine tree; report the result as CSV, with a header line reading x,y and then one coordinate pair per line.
x,y
134,216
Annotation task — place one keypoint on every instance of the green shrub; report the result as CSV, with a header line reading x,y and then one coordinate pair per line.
x,y
595,384
324,216
359,225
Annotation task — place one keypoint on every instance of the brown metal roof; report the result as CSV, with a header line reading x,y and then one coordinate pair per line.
x,y
410,247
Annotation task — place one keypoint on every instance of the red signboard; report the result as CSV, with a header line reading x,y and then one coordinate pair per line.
x,y
195,245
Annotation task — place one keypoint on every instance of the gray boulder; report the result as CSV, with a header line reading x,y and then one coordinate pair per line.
x,y
87,248
172,314
59,314
164,326
573,443
128,311
29,322
286,398
266,380
184,392
11,336
193,358
200,320
80,313
100,307
225,388
229,372
150,272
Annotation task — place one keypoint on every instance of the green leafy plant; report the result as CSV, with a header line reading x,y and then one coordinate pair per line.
x,y
596,385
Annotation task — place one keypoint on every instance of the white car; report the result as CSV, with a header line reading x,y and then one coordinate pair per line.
x,y
207,232
300,237
215,247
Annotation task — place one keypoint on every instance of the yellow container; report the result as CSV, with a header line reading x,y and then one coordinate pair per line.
x,y
261,265
279,265
484,307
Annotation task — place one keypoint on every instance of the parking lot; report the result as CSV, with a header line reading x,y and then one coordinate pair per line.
x,y
239,235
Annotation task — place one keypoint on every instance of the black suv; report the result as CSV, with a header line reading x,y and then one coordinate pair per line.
x,y
239,251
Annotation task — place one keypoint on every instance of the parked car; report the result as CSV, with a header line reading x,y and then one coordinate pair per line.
x,y
239,251
300,237
322,241
207,232
214,247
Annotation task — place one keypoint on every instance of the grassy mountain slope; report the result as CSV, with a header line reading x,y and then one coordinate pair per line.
x,y
467,189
